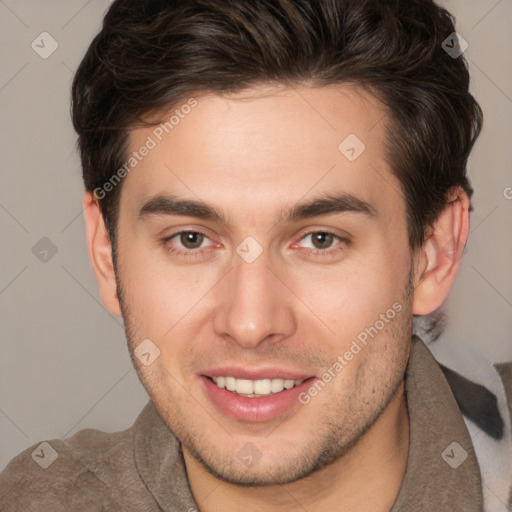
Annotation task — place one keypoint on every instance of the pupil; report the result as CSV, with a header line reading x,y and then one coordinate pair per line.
x,y
324,239
190,240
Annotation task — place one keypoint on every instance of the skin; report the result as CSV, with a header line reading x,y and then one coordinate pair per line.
x,y
253,156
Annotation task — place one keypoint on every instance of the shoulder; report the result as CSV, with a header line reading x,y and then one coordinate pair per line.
x,y
505,371
65,474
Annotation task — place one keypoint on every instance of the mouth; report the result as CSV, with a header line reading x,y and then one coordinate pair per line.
x,y
255,388
265,397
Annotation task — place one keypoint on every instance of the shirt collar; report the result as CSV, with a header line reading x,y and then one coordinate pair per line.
x,y
442,471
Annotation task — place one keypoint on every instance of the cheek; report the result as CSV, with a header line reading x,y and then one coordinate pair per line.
x,y
350,298
166,304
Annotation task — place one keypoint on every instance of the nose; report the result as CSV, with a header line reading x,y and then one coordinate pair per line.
x,y
255,305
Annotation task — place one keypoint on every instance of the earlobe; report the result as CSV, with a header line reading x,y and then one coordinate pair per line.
x,y
100,253
439,258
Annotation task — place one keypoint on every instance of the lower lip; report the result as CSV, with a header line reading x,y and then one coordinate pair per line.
x,y
257,409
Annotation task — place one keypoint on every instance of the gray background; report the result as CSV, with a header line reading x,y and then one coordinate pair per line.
x,y
64,365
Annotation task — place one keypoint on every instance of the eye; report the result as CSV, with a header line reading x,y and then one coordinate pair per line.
x,y
321,239
191,239
322,243
188,243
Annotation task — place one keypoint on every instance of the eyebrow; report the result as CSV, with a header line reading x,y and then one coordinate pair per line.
x,y
327,204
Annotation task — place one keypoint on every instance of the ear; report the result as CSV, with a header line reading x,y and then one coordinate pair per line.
x,y
100,253
438,260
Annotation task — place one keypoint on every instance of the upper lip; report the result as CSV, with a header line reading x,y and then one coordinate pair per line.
x,y
255,374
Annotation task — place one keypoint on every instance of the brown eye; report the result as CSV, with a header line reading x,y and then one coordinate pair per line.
x,y
191,239
323,243
188,244
322,240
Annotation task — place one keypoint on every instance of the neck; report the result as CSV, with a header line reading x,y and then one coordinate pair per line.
x,y
366,479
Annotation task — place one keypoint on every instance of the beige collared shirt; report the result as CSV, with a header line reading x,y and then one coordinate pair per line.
x,y
142,468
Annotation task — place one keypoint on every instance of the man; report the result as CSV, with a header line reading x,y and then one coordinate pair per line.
x,y
273,190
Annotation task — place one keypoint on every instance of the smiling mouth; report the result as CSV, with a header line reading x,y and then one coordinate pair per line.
x,y
255,388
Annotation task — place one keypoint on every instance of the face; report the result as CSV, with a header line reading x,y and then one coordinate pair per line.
x,y
256,252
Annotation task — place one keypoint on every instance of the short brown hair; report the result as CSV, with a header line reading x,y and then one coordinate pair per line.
x,y
150,55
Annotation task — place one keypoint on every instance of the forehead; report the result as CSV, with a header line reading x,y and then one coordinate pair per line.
x,y
265,148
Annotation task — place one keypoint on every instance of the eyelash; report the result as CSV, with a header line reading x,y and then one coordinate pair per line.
x,y
192,253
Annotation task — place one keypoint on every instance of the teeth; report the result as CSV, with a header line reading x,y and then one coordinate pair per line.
x,y
262,387
288,384
277,385
244,387
251,388
230,383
